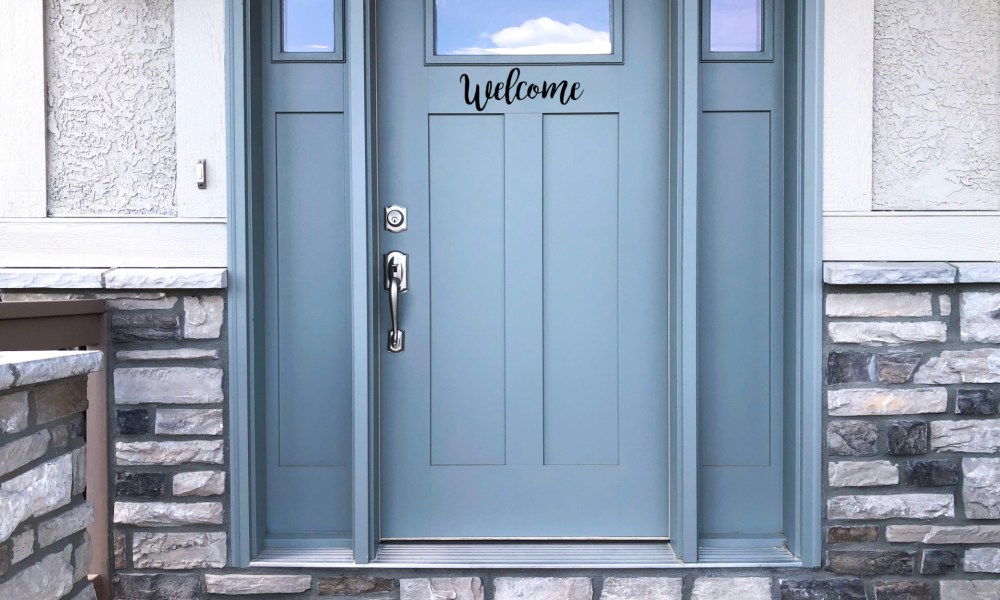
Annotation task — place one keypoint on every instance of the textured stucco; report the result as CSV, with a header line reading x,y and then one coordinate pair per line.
x,y
111,107
937,105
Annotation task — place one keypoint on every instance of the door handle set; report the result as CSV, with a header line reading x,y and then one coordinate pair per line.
x,y
396,282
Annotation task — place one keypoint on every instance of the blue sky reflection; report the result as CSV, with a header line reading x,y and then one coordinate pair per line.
x,y
736,26
308,26
511,27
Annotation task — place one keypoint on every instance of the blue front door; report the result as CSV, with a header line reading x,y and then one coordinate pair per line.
x,y
530,396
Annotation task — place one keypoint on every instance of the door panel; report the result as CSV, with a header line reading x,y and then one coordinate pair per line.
x,y
305,344
581,289
467,288
530,400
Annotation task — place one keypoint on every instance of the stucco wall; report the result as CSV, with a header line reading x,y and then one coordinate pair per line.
x,y
110,107
937,105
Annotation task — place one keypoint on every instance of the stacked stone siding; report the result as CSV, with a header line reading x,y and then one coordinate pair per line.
x,y
912,428
44,550
911,457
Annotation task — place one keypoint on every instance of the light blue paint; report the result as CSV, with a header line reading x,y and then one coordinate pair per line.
x,y
802,472
583,452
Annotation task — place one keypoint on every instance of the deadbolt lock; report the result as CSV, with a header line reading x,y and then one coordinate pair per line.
x,y
395,218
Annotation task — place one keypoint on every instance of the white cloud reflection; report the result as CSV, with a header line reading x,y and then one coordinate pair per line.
x,y
544,36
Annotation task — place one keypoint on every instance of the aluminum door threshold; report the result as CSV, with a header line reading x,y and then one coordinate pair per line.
x,y
525,555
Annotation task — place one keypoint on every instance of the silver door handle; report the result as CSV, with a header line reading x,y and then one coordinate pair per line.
x,y
396,282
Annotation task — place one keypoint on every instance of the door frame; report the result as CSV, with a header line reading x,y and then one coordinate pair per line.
x,y
803,259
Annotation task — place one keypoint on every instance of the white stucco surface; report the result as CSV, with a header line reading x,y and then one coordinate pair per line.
x,y
937,105
110,107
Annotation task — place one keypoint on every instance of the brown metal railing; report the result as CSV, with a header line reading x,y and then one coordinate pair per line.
x,y
73,324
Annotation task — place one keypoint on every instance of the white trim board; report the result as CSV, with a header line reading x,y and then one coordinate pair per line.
x,y
200,67
112,243
848,104
912,236
22,120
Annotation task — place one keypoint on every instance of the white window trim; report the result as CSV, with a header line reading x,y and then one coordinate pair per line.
x,y
22,121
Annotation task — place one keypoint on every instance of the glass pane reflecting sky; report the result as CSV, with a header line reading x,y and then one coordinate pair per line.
x,y
523,27
736,26
308,26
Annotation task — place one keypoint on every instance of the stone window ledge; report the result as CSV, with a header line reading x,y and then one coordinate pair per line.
x,y
30,367
113,279
910,273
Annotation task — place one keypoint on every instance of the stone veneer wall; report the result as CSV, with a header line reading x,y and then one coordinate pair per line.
x,y
44,550
912,456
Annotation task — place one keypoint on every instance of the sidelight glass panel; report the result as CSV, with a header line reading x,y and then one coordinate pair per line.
x,y
522,27
307,25
737,26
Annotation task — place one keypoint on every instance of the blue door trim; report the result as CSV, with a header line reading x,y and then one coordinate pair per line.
x,y
805,259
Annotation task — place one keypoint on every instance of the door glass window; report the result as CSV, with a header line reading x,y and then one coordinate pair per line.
x,y
307,26
737,26
522,27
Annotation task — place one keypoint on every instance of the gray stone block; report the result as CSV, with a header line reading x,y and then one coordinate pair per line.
x,y
891,506
22,451
168,385
907,438
65,524
957,589
186,421
982,560
902,590
879,305
642,588
142,586
177,354
453,588
978,272
169,453
353,585
859,533
850,367
157,514
891,333
22,546
981,487
203,317
928,473
962,366
862,473
975,402
980,436
56,400
199,483
888,273
14,412
980,321
944,534
871,402
822,589
897,367
128,328
542,588
732,588
49,578
254,584
852,438
867,563
937,561
178,551
139,485
34,493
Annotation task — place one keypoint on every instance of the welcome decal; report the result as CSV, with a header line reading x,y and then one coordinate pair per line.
x,y
514,90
